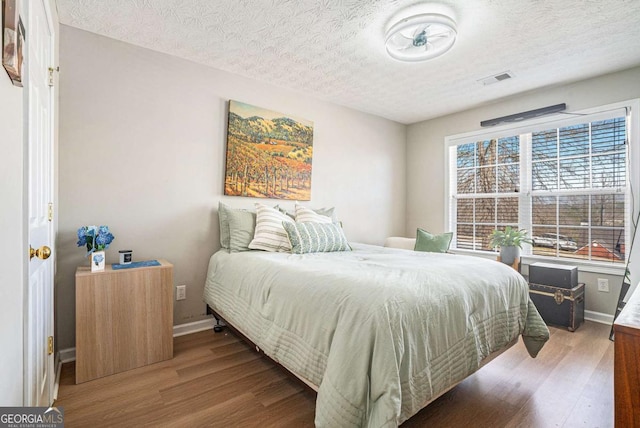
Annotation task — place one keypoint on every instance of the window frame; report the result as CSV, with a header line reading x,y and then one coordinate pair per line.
x,y
629,109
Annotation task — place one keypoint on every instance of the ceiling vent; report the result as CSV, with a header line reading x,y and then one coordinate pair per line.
x,y
505,75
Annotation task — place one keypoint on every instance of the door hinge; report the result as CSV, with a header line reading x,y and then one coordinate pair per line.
x,y
50,212
51,70
50,345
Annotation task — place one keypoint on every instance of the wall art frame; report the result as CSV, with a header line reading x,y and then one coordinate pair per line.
x,y
13,40
269,154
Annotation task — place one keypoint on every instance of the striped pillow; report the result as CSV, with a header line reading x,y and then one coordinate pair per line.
x,y
270,234
327,212
307,215
316,237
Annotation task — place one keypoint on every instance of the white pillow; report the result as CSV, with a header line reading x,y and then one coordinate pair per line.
x,y
270,234
307,215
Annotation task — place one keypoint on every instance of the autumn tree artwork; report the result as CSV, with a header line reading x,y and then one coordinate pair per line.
x,y
269,154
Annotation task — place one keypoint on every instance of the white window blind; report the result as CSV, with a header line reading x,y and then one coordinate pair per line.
x,y
564,181
487,186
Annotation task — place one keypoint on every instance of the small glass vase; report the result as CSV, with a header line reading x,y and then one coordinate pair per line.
x,y
97,261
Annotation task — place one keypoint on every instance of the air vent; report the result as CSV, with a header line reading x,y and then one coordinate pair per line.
x,y
496,78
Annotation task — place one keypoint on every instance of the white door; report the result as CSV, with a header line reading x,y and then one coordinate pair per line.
x,y
39,366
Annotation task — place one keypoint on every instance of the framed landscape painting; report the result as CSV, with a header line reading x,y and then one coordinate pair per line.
x,y
269,154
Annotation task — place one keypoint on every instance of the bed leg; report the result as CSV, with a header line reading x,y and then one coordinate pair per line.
x,y
218,327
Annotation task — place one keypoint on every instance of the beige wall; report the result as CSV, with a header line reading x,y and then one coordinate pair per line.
x,y
425,154
142,149
13,246
12,243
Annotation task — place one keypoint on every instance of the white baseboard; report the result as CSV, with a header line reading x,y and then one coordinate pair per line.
x,y
56,385
598,317
193,327
69,354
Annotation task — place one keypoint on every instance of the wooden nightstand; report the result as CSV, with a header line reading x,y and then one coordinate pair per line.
x,y
124,319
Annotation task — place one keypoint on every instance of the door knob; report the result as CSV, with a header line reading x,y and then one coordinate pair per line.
x,y
42,253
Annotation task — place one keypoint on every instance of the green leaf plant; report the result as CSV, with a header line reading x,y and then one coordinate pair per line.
x,y
509,237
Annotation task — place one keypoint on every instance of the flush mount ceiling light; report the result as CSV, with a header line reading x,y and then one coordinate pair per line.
x,y
421,37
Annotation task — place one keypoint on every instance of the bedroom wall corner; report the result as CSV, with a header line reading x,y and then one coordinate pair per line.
x,y
142,150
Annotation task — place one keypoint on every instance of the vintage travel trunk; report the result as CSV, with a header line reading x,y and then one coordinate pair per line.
x,y
559,306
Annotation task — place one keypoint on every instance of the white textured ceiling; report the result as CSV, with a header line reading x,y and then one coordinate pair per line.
x,y
334,49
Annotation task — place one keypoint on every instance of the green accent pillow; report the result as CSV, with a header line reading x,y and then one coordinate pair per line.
x,y
431,243
315,237
307,215
236,228
329,212
224,225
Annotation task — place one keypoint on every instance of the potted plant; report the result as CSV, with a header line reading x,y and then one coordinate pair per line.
x,y
510,241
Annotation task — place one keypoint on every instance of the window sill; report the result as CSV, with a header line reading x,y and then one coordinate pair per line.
x,y
527,259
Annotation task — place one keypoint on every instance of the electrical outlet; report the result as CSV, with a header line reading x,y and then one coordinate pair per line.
x,y
181,292
603,285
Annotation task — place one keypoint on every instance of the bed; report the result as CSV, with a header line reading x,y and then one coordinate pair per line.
x,y
378,332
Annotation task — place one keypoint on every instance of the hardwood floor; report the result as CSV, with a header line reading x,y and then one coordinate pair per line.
x,y
215,380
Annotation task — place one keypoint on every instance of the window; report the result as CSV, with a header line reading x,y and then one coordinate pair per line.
x,y
565,181
487,184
